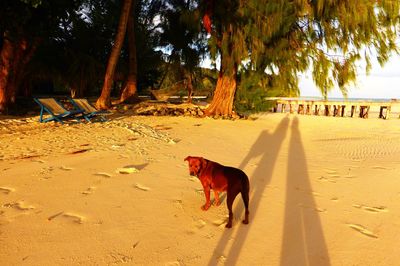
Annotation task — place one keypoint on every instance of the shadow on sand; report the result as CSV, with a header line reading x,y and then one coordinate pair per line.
x,y
303,241
267,146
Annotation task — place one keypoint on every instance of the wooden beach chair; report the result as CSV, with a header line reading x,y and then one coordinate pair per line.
x,y
89,110
56,111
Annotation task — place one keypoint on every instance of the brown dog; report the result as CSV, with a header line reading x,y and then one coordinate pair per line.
x,y
219,178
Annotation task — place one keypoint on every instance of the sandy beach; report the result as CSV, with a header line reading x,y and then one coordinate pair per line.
x,y
324,191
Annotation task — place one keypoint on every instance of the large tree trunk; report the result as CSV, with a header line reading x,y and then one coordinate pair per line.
x,y
130,87
23,54
224,94
104,101
6,60
14,58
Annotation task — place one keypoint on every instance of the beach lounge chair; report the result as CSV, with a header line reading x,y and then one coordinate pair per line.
x,y
89,110
56,111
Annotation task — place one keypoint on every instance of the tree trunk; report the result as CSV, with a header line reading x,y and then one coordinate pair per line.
x,y
23,53
104,101
14,57
18,69
6,59
189,85
224,94
130,87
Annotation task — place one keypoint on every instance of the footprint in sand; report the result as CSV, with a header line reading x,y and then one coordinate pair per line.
x,y
194,179
199,224
21,206
103,174
45,177
6,190
162,127
127,170
173,263
330,171
141,187
66,168
199,191
317,209
361,229
379,167
325,179
118,258
178,203
306,191
88,191
75,218
17,209
220,222
221,259
371,209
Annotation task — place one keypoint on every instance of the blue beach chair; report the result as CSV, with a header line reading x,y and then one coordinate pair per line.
x,y
56,111
89,110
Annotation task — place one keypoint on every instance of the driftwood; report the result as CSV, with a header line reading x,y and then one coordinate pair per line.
x,y
164,109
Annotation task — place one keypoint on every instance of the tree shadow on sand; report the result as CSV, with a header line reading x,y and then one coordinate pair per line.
x,y
303,242
268,146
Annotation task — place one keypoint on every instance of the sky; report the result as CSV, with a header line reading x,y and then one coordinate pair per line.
x,y
382,82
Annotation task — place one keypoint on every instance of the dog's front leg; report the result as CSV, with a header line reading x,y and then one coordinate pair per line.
x,y
216,198
208,202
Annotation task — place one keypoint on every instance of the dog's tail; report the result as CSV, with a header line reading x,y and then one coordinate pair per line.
x,y
245,191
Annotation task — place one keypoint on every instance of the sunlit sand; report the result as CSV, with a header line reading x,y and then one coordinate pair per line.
x,y
324,191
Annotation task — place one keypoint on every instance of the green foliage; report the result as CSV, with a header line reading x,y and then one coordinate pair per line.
x,y
251,93
285,38
75,40
268,43
33,3
254,87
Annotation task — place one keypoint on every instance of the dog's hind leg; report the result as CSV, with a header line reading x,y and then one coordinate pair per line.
x,y
245,197
230,197
245,191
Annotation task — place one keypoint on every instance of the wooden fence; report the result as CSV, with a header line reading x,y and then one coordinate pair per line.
x,y
333,108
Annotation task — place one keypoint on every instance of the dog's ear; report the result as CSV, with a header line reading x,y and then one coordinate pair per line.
x,y
203,162
187,158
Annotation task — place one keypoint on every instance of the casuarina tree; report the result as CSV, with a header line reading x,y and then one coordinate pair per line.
x,y
283,38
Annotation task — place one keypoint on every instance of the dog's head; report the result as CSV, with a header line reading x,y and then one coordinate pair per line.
x,y
196,164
